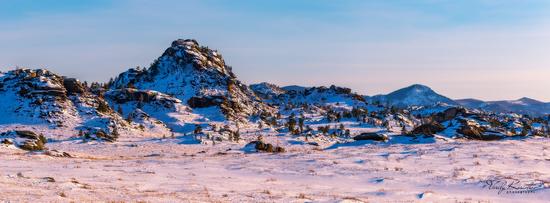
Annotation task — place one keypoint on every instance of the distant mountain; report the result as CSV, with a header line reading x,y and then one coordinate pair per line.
x,y
470,103
414,95
524,105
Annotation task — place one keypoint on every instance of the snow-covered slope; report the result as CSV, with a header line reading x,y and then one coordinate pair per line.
x,y
521,106
199,77
415,95
159,113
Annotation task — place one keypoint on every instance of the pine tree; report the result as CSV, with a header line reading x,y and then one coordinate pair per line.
x,y
110,83
131,85
324,129
103,107
291,123
198,129
342,129
114,133
119,110
140,101
524,131
301,123
387,125
129,119
237,136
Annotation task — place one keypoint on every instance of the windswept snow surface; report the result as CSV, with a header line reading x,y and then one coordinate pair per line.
x,y
173,170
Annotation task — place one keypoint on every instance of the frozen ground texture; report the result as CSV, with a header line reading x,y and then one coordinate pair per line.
x,y
163,170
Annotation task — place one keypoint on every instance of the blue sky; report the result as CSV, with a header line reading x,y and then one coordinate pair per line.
x,y
487,49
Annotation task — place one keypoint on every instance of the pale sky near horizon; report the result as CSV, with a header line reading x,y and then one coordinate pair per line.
x,y
485,49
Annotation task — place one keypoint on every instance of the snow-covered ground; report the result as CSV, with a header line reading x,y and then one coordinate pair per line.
x,y
167,170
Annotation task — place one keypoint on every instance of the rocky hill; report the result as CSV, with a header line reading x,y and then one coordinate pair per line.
x,y
298,95
42,98
199,77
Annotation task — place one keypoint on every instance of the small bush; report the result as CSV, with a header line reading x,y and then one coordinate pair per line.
x,y
266,147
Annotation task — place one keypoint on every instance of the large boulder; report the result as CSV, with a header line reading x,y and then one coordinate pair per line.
x,y
475,132
449,114
471,131
371,136
428,129
202,102
73,86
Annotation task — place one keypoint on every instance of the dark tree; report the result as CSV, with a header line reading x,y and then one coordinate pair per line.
x,y
198,129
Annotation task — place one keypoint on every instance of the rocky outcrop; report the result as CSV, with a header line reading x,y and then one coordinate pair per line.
x,y
449,114
471,130
297,95
73,86
40,96
23,139
30,83
125,95
428,129
208,101
267,91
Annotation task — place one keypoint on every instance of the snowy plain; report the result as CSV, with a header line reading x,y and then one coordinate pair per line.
x,y
404,169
